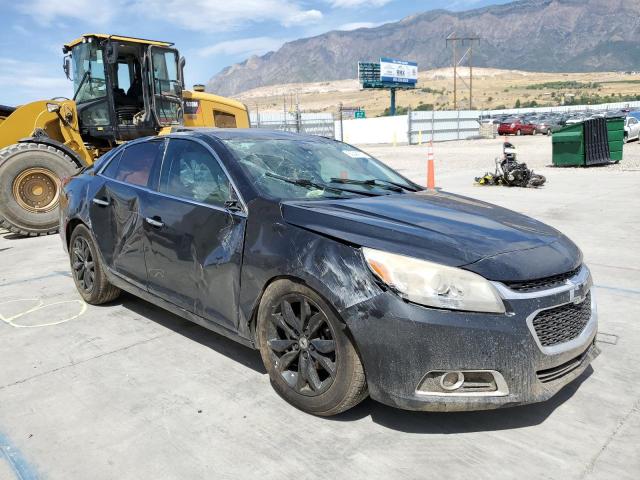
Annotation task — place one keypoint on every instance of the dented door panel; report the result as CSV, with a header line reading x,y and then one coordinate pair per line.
x,y
194,259
117,226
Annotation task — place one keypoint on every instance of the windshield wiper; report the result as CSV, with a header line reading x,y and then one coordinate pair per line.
x,y
305,182
376,182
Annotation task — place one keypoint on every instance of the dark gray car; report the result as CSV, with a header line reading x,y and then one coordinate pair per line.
x,y
350,279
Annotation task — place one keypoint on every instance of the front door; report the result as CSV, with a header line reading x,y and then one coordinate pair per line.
x,y
195,242
115,209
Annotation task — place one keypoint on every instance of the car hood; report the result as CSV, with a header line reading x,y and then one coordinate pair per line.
x,y
445,228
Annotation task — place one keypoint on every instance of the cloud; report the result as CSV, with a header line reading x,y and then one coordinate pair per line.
x,y
356,25
45,12
243,47
357,3
195,15
21,30
215,16
29,81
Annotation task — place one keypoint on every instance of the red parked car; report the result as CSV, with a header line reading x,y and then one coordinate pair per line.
x,y
516,126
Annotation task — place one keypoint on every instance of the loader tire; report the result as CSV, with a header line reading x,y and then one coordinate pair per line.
x,y
30,176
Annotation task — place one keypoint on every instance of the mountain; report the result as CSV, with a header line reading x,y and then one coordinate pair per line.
x,y
534,35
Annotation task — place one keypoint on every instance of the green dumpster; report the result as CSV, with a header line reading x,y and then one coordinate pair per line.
x,y
593,142
615,128
568,146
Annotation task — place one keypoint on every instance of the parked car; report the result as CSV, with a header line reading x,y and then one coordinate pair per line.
x,y
545,125
348,278
516,126
631,129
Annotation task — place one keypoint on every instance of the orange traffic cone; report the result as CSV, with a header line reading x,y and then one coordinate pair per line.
x,y
431,175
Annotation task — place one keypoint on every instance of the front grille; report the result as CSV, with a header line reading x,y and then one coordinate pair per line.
x,y
563,323
551,374
543,283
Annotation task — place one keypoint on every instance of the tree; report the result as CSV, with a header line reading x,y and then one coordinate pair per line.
x,y
517,104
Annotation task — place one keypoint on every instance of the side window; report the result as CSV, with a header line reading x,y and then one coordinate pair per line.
x,y
137,164
224,120
124,77
112,167
191,172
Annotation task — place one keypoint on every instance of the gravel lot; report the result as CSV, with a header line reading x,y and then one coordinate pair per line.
x,y
129,391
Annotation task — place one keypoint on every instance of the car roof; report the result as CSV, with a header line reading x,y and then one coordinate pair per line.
x,y
248,134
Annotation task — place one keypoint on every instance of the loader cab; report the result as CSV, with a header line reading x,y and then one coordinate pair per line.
x,y
124,88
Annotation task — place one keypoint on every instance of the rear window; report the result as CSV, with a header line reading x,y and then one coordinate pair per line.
x,y
224,119
136,163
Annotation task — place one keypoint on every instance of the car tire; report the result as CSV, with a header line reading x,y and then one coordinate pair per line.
x,y
306,349
625,139
518,132
534,132
548,132
87,269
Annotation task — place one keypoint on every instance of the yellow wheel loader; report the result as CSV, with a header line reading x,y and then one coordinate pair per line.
x,y
124,88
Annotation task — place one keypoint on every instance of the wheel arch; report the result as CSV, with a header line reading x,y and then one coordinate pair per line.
x,y
43,140
315,286
70,227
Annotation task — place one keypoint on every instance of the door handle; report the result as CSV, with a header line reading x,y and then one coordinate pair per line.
x,y
101,202
154,222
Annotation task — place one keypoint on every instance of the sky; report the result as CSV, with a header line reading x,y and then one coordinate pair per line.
x,y
211,34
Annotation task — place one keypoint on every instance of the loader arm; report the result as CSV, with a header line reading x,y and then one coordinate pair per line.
x,y
35,120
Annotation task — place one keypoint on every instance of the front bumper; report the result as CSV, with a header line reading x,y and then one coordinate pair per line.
x,y
400,343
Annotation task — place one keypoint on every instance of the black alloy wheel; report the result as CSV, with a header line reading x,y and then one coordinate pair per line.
x,y
87,269
84,269
308,351
302,345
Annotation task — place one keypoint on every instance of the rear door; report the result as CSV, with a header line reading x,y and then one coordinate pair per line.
x,y
115,209
195,242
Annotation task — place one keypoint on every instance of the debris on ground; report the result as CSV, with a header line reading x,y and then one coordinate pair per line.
x,y
510,172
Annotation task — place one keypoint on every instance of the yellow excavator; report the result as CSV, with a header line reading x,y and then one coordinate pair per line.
x,y
124,88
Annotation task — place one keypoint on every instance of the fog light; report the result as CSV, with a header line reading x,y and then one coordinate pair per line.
x,y
465,383
451,381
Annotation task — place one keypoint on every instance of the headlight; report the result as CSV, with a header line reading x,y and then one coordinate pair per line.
x,y
434,285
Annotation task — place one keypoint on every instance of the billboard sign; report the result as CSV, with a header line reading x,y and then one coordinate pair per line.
x,y
369,76
398,71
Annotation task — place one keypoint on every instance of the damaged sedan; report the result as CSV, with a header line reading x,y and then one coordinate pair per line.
x,y
350,279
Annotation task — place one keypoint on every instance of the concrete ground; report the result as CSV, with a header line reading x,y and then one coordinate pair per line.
x,y
129,391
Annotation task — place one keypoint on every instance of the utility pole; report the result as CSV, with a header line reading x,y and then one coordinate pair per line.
x,y
464,40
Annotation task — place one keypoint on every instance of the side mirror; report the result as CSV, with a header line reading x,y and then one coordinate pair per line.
x,y
66,66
